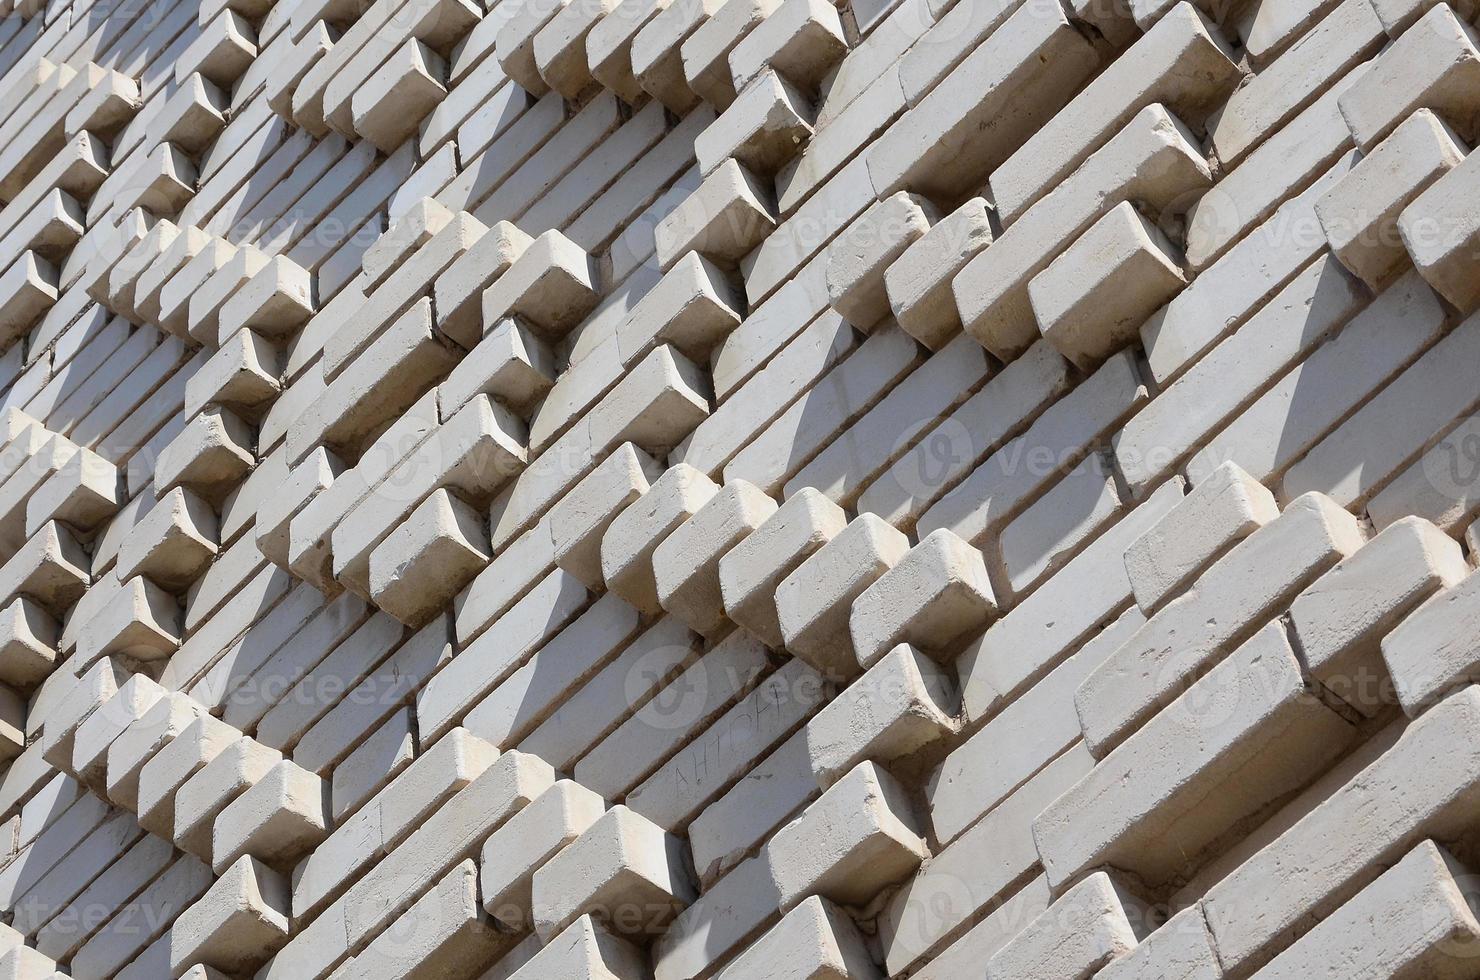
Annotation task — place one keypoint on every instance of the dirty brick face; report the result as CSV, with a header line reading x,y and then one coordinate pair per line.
x,y
739,490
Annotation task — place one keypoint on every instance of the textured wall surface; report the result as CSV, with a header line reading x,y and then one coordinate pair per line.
x,y
744,489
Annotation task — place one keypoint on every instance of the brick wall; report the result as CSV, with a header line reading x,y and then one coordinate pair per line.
x,y
744,489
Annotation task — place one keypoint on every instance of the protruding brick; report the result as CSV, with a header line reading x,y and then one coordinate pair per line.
x,y
437,550
723,219
1092,300
173,543
516,851
1343,616
686,564
551,285
280,818
1220,511
1360,213
237,924
1211,743
751,571
624,870
628,544
580,518
935,598
202,797
857,838
814,602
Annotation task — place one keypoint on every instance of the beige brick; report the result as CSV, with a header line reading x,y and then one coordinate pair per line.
x,y
1018,78
97,733
975,872
901,705
706,52
918,280
1438,230
459,288
141,741
937,596
1429,653
656,59
750,572
141,621
675,713
210,456
551,285
1343,39
1180,949
173,543
51,568
28,643
399,95
202,797
1020,739
857,258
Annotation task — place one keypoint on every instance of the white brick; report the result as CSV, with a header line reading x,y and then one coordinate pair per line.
x,y
1134,811
580,518
751,572
686,563
629,541
1220,511
1091,925
624,869
515,852
1422,786
1433,65
936,596
1253,582
1092,299
1360,214
814,602
1426,924
1182,62
858,837
815,940
237,924
280,818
